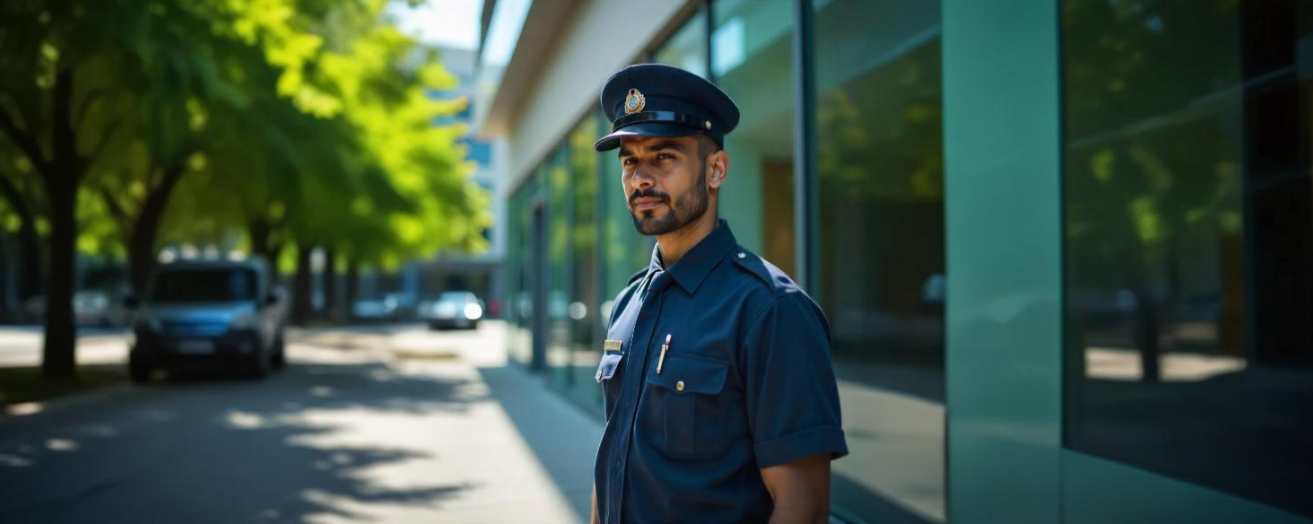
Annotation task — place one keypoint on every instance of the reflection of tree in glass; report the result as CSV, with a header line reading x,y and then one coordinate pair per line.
x,y
583,238
880,162
1152,103
881,133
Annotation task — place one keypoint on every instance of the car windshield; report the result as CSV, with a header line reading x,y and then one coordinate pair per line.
x,y
204,285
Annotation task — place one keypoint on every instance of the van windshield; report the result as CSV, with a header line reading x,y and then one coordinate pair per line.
x,y
204,285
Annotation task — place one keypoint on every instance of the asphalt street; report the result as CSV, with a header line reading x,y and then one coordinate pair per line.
x,y
378,424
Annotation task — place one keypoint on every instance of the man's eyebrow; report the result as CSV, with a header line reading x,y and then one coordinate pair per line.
x,y
624,152
667,144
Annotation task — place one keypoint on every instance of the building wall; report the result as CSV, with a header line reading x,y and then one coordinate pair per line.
x,y
1065,262
600,37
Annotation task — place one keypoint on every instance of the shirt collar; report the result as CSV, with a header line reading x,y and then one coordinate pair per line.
x,y
691,270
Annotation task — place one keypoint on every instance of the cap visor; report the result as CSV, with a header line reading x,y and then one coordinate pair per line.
x,y
612,140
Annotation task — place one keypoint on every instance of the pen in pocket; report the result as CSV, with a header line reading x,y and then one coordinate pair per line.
x,y
662,359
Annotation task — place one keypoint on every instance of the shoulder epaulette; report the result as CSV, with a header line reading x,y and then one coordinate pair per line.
x,y
754,265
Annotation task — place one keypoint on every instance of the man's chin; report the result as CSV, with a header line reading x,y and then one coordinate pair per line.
x,y
653,225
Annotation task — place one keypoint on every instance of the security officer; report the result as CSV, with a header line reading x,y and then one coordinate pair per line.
x,y
721,404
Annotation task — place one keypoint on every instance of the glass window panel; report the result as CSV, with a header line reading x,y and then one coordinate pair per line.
x,y
880,164
559,259
583,308
519,310
687,48
1188,241
753,58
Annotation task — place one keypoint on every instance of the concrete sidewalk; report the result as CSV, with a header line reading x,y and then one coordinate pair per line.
x,y
523,455
526,458
421,427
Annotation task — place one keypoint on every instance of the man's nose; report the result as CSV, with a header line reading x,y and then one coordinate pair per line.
x,y
641,180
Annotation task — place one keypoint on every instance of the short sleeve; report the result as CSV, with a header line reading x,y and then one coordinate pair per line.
x,y
791,395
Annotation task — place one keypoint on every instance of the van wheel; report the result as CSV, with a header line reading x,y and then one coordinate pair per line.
x,y
261,364
138,372
280,353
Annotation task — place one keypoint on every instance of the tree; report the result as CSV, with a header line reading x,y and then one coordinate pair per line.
x,y
81,78
56,63
302,122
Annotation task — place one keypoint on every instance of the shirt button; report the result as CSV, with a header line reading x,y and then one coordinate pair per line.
x,y
742,255
679,385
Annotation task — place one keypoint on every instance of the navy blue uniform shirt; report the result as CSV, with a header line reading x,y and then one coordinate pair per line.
x,y
746,383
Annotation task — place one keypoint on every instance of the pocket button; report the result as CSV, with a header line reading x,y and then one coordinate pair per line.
x,y
679,385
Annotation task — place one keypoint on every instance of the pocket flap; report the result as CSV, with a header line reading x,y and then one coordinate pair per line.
x,y
606,368
697,375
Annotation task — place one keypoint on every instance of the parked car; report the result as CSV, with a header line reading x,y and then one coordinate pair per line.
x,y
208,314
453,309
94,307
388,308
91,307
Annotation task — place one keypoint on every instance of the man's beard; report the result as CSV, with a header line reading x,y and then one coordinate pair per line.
x,y
688,210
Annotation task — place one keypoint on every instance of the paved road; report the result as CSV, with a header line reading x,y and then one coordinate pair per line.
x,y
384,425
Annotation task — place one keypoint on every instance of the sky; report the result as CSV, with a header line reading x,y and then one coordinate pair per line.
x,y
446,23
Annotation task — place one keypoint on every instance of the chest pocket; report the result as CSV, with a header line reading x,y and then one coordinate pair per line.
x,y
687,409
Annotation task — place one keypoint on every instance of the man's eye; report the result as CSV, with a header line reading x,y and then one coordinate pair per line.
x,y
665,156
628,161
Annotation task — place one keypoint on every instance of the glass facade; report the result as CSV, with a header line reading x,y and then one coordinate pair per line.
x,y
752,61
1165,360
880,170
687,48
1189,239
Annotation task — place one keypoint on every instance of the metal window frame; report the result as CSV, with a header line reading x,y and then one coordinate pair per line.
x,y
806,249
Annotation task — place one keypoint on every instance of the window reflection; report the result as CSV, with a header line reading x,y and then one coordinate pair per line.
x,y
1188,241
582,310
754,65
687,48
880,163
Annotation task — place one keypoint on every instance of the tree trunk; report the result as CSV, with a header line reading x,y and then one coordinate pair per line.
x,y
259,231
301,307
331,310
352,286
58,357
146,229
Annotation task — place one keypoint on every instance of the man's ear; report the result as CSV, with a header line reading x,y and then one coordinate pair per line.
x,y
718,165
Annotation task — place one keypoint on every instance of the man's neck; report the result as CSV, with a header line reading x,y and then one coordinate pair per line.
x,y
675,244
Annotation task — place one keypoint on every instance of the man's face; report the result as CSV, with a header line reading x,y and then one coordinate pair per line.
x,y
665,182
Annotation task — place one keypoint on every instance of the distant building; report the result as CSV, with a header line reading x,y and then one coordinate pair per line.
x,y
450,269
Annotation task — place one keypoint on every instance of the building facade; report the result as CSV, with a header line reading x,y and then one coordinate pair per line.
x,y
450,269
1064,247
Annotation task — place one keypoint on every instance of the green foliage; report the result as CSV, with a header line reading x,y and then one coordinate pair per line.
x,y
358,161
311,117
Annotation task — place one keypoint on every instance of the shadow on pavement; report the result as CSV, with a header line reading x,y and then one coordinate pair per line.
x,y
227,450
562,437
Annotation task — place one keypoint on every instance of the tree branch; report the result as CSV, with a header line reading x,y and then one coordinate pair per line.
x,y
87,102
14,196
105,138
25,142
112,203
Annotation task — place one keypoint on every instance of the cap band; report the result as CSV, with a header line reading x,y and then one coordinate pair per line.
x,y
669,117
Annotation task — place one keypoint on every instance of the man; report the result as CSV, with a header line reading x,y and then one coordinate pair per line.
x,y
721,404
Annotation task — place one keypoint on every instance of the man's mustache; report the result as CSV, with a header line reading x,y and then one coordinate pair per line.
x,y
649,193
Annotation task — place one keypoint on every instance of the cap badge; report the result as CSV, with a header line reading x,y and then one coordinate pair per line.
x,y
634,102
